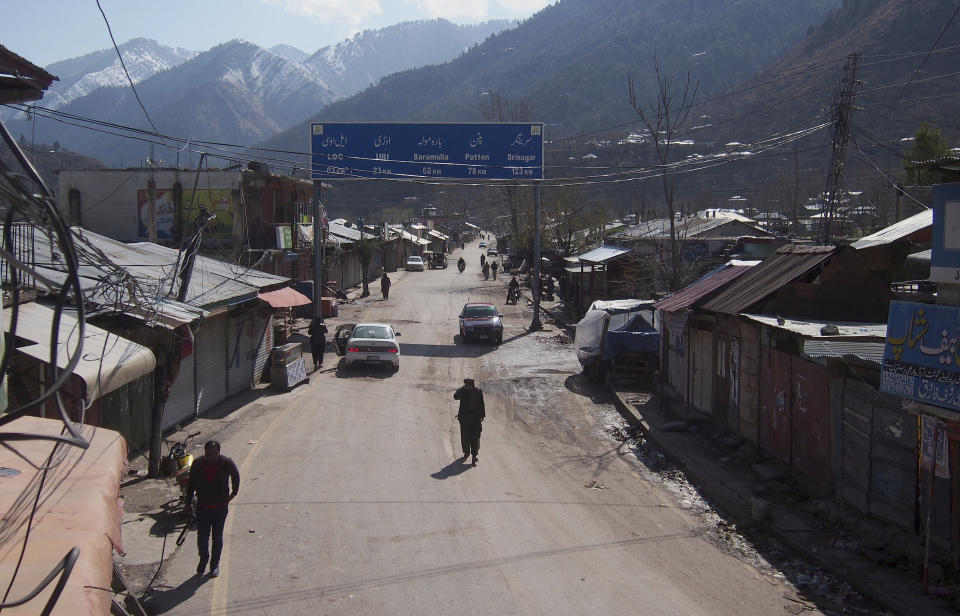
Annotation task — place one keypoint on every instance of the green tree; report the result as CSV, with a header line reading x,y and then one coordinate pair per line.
x,y
928,145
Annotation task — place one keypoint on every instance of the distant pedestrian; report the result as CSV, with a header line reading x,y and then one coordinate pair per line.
x,y
385,285
215,480
318,341
470,416
493,268
486,271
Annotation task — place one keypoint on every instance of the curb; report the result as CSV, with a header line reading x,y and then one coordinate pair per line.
x,y
728,501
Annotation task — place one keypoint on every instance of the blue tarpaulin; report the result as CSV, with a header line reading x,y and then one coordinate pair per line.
x,y
635,336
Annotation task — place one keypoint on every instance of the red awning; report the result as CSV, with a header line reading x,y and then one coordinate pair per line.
x,y
285,298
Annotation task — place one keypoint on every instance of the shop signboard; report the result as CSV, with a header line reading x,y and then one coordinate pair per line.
x,y
921,357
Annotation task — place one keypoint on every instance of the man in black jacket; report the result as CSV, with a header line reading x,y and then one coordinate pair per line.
x,y
318,341
211,478
471,417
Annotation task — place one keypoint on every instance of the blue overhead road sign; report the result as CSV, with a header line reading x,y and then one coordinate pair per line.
x,y
481,151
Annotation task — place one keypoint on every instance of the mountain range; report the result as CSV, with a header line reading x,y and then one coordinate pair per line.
x,y
763,69
236,92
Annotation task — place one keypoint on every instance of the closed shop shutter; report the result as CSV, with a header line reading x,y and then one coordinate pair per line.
x,y
243,340
180,407
211,350
263,351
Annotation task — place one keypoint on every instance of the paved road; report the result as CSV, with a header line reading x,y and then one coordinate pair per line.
x,y
354,499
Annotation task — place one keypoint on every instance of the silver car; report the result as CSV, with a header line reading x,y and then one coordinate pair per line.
x,y
414,264
370,343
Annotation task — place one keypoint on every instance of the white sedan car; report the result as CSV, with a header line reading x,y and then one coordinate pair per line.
x,y
414,264
371,343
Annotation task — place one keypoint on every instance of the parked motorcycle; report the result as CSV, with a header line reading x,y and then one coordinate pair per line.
x,y
177,463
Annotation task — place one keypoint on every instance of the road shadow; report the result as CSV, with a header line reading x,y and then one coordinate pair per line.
x,y
452,470
160,602
525,332
363,370
238,401
170,518
582,386
458,349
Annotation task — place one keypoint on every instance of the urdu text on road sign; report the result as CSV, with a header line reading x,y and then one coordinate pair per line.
x,y
481,151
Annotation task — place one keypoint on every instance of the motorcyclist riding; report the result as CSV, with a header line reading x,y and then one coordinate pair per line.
x,y
513,291
461,264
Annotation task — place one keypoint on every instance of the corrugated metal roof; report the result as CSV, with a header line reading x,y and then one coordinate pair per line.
x,y
437,234
213,283
813,328
602,254
20,79
686,297
896,231
782,267
690,228
823,347
107,361
615,306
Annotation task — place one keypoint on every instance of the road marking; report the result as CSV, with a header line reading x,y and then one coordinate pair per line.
x,y
218,605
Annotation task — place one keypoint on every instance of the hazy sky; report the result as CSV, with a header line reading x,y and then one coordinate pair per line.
x,y
45,31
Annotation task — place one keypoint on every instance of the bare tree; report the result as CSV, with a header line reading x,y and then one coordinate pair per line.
x,y
571,221
496,108
663,118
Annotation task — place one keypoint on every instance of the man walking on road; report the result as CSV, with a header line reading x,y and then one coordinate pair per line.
x,y
318,341
211,478
471,417
385,285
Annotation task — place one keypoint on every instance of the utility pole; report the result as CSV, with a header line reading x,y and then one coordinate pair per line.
x,y
536,325
318,246
848,92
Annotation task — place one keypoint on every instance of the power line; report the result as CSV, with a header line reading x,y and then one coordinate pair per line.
x,y
932,47
124,66
887,177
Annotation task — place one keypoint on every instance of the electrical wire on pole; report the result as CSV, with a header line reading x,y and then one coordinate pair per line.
x,y
846,95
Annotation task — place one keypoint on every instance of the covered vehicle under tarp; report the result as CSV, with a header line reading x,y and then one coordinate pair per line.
x,y
618,333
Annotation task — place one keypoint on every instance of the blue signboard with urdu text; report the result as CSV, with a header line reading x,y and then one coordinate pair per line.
x,y
480,151
921,357
945,253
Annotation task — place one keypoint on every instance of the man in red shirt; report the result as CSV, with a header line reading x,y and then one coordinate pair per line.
x,y
215,480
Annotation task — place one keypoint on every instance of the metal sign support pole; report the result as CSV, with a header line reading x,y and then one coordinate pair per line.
x,y
535,281
318,246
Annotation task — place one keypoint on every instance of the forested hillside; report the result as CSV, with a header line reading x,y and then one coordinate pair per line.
x,y
572,61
